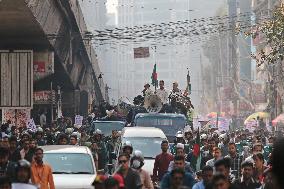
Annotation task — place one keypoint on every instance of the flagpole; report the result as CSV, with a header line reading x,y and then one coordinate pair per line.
x,y
156,65
217,120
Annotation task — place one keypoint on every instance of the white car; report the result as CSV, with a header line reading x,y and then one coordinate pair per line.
x,y
73,166
147,140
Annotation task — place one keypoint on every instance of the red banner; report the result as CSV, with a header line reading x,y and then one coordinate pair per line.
x,y
39,66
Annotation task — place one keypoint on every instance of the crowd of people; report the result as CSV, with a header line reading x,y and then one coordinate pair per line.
x,y
233,160
198,159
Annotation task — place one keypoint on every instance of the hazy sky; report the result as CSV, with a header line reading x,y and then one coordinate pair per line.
x,y
201,8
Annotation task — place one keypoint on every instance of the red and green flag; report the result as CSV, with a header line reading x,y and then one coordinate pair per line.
x,y
154,76
196,156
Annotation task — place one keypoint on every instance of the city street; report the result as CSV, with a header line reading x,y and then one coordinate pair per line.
x,y
145,94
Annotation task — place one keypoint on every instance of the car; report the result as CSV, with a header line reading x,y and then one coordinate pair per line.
x,y
107,126
73,166
170,123
147,140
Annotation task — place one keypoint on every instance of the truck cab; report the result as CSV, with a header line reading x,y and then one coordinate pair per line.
x,y
169,123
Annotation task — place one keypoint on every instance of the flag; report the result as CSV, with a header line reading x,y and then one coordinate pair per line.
x,y
188,83
196,155
154,76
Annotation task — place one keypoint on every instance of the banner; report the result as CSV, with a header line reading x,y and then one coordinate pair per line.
x,y
141,52
78,120
31,126
43,64
224,125
18,117
251,125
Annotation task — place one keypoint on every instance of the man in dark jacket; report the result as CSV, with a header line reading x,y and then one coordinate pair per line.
x,y
131,178
188,179
246,181
7,168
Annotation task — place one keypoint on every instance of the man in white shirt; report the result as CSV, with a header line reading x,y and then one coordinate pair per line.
x,y
162,92
42,119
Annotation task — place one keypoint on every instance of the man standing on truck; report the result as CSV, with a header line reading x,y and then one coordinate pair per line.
x,y
176,90
147,91
162,162
162,92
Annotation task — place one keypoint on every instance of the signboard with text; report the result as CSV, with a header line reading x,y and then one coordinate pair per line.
x,y
44,97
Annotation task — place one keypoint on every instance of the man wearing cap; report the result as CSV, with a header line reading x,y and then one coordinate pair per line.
x,y
100,148
137,162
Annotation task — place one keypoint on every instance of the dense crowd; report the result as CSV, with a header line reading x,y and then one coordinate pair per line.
x,y
197,159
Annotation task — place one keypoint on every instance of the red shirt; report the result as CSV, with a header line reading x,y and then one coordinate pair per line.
x,y
161,165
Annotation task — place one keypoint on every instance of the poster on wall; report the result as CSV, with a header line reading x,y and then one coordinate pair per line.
x,y
18,117
43,64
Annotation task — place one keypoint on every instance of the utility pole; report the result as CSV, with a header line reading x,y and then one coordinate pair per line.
x,y
235,71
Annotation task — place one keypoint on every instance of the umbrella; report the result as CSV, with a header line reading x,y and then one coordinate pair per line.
x,y
214,114
278,119
255,115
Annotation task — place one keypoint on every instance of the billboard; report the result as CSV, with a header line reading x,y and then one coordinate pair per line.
x,y
18,117
141,52
43,64
44,97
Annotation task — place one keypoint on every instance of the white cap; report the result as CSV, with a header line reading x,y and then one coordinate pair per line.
x,y
180,145
203,136
69,130
98,131
179,134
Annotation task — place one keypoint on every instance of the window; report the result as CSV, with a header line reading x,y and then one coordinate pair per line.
x,y
68,163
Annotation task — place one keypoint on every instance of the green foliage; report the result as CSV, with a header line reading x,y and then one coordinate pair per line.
x,y
272,30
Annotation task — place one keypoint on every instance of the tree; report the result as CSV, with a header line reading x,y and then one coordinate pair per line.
x,y
272,30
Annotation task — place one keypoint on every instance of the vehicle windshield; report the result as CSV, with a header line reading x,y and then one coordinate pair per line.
x,y
108,127
169,125
68,163
150,147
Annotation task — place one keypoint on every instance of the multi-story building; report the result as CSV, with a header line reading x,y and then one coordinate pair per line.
x,y
270,75
126,75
